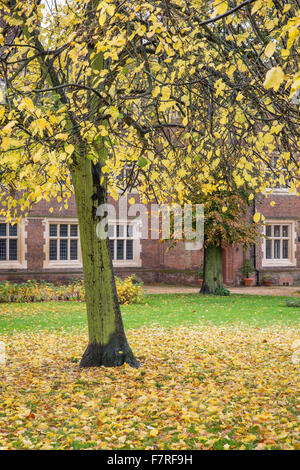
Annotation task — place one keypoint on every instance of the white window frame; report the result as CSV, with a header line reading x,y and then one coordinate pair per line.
x,y
282,191
60,263
21,262
288,262
125,170
136,261
194,245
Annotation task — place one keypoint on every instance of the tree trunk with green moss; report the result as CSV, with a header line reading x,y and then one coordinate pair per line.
x,y
108,345
213,275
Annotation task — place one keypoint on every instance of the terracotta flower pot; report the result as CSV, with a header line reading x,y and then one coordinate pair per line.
x,y
248,281
267,283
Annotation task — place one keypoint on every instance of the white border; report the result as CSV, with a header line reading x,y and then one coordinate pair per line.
x,y
62,264
292,262
21,262
137,249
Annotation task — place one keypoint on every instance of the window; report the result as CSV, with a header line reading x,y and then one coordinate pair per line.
x,y
279,244
12,246
126,179
124,243
62,243
8,242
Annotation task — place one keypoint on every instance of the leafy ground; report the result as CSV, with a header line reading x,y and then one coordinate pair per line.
x,y
215,381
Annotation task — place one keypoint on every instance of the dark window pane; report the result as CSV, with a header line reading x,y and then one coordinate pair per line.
x,y
120,249
110,231
129,249
123,176
73,249
112,248
2,249
63,230
285,249
120,231
13,230
120,176
276,249
268,249
13,249
276,230
63,250
53,230
53,250
74,230
285,230
129,231
268,230
2,230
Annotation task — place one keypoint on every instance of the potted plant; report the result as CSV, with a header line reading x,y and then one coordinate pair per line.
x,y
247,270
267,280
201,274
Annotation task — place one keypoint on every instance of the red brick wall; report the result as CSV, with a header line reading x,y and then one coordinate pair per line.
x,y
286,207
35,243
232,262
41,209
159,264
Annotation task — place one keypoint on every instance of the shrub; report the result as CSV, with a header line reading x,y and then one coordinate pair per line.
x,y
293,303
222,291
129,291
247,268
32,291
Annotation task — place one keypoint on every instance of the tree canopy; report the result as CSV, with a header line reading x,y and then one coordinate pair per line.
x,y
170,88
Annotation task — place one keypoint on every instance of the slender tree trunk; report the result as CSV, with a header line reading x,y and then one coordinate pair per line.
x,y
213,275
108,345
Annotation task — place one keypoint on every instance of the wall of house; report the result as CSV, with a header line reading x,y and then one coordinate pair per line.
x,y
158,262
285,210
232,262
33,244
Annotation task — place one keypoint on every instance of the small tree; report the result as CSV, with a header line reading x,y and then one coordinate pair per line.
x,y
247,268
227,221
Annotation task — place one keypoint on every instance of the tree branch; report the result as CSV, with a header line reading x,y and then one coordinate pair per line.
x,y
227,13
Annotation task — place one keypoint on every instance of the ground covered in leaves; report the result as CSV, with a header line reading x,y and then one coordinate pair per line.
x,y
201,387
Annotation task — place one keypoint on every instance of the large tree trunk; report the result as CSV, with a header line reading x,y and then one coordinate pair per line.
x,y
213,275
107,341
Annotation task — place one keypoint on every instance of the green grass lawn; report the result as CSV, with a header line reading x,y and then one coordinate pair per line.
x,y
167,310
223,377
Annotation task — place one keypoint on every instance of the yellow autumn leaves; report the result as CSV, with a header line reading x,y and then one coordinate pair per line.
x,y
173,80
274,78
289,36
197,388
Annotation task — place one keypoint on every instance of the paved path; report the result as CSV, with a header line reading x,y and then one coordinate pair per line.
x,y
273,290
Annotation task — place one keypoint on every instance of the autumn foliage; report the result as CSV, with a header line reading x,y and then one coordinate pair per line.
x,y
197,388
32,291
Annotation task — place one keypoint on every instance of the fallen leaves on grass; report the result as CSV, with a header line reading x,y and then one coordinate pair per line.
x,y
201,388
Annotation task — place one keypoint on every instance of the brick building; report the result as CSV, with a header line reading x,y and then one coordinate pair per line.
x,y
47,246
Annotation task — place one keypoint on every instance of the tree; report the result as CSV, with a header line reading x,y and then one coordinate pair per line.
x,y
238,164
227,221
166,86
